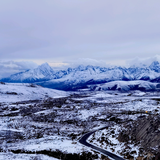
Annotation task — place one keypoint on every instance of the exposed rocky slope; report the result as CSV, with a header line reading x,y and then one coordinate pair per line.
x,y
146,132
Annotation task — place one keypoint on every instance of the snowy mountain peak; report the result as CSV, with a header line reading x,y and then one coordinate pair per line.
x,y
154,63
155,66
46,69
42,72
45,65
81,68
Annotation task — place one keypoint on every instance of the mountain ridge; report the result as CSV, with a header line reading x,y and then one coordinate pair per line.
x,y
41,73
81,76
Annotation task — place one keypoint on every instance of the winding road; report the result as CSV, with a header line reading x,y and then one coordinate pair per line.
x,y
83,141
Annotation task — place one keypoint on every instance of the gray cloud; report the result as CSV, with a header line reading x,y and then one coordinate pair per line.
x,y
54,30
139,62
11,67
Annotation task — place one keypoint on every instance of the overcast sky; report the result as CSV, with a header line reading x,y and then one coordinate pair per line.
x,y
62,31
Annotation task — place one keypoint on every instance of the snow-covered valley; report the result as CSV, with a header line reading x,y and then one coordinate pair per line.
x,y
40,123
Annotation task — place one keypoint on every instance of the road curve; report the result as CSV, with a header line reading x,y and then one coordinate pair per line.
x,y
83,141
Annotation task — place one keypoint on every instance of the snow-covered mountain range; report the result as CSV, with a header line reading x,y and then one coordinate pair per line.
x,y
82,76
42,73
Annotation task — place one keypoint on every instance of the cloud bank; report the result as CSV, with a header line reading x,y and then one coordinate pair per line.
x,y
12,67
59,31
142,62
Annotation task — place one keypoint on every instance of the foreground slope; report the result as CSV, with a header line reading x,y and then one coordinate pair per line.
x,y
52,126
13,92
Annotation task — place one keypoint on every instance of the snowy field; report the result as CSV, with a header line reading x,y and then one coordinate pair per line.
x,y
56,121
14,92
63,144
11,156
